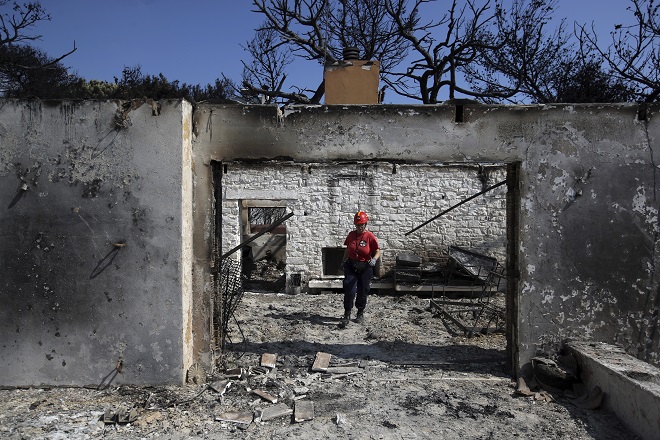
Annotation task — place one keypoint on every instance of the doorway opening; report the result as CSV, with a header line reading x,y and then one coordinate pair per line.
x,y
264,257
264,261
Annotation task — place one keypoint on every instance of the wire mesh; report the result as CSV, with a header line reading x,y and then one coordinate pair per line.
x,y
228,296
482,313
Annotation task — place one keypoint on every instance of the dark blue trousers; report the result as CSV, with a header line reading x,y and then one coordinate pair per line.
x,y
356,286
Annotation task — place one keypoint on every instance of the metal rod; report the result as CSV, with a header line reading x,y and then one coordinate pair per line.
x,y
490,188
254,237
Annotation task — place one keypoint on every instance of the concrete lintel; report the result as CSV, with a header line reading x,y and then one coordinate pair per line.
x,y
247,193
631,386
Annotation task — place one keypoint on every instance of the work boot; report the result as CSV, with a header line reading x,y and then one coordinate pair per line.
x,y
345,319
360,317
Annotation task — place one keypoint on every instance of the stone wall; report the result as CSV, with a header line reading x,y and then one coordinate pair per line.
x,y
397,197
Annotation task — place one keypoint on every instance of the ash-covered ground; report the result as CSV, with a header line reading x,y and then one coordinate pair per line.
x,y
402,374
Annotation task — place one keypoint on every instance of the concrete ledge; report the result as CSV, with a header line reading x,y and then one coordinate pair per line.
x,y
631,386
337,283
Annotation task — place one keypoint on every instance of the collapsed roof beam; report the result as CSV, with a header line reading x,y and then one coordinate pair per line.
x,y
254,237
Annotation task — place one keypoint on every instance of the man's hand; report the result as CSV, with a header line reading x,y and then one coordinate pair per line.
x,y
372,262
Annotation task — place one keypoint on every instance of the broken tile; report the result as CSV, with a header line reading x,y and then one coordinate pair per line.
x,y
121,416
304,411
273,412
268,360
243,418
259,370
108,417
342,370
321,362
220,386
264,395
234,373
300,390
124,416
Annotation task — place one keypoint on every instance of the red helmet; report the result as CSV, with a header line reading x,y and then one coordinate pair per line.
x,y
361,218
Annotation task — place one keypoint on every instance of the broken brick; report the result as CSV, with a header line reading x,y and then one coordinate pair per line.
x,y
264,395
275,411
304,411
268,360
321,362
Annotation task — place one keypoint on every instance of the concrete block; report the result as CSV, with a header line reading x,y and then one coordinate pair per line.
x,y
275,411
241,418
321,362
264,395
269,360
631,386
304,411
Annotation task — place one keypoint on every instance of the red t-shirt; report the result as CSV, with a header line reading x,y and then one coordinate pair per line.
x,y
361,247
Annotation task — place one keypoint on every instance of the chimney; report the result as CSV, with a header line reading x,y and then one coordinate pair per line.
x,y
352,81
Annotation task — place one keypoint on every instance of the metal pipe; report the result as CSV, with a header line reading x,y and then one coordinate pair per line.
x,y
490,188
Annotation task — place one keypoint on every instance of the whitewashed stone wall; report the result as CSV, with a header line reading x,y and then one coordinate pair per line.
x,y
231,226
397,198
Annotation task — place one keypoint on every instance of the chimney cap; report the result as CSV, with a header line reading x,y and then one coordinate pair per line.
x,y
351,53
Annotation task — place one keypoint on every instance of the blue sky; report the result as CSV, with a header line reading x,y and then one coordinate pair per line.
x,y
195,41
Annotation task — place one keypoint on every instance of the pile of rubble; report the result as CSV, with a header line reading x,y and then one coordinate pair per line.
x,y
291,372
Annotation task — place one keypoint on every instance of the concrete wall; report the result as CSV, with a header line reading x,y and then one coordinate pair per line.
x,y
96,232
109,220
588,226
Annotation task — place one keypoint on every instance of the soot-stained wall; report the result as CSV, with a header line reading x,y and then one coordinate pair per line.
x,y
96,243
109,219
586,234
